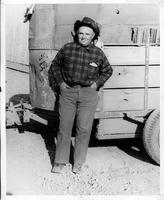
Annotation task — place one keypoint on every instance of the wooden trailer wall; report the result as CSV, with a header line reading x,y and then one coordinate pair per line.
x,y
125,91
120,24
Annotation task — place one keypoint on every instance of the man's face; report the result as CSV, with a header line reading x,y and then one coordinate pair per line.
x,y
85,35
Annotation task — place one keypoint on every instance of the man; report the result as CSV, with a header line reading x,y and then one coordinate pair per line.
x,y
79,69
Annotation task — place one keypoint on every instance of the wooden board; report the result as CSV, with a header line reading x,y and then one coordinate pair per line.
x,y
113,128
52,28
123,99
17,67
131,55
133,76
154,76
129,99
154,98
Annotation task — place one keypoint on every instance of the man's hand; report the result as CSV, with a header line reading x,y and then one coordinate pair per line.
x,y
64,85
94,85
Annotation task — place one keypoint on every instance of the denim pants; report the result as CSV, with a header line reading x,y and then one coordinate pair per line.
x,y
80,102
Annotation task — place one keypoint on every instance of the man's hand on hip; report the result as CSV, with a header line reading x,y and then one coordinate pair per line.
x,y
94,85
64,85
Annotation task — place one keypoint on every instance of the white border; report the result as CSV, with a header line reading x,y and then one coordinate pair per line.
x,y
81,1
162,97
3,95
104,197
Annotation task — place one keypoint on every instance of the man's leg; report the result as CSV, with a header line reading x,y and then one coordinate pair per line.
x,y
67,111
88,99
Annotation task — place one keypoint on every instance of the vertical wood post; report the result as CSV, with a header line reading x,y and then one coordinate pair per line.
x,y
146,79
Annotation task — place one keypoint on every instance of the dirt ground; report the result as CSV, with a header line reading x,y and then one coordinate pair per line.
x,y
112,168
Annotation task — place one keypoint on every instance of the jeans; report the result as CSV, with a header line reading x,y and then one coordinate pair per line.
x,y
79,102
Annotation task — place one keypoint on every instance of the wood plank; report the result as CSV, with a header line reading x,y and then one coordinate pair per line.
x,y
115,136
153,98
17,66
126,76
120,114
123,99
154,55
154,76
130,99
131,55
133,76
111,128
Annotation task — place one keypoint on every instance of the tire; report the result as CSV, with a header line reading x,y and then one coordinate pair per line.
x,y
151,136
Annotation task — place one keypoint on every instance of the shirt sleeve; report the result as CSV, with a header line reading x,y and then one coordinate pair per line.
x,y
54,73
105,71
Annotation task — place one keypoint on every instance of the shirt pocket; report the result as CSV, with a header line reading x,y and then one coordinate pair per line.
x,y
93,69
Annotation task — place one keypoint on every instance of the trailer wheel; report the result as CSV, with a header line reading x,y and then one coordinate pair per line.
x,y
151,136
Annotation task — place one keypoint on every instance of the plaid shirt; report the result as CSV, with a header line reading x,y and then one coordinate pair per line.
x,y
77,65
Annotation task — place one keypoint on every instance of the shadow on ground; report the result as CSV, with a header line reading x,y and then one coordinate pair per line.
x,y
132,147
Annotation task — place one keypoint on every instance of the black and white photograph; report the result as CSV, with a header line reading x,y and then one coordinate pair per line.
x,y
82,99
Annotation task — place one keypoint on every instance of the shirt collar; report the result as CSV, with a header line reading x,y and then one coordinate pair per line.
x,y
88,47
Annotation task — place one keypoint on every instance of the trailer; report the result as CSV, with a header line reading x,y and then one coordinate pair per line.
x,y
129,102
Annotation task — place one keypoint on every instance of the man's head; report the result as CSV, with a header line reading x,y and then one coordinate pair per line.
x,y
85,35
86,31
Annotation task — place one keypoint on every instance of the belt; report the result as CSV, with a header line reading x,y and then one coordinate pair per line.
x,y
79,86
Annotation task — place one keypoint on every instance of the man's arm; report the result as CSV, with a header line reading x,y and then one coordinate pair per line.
x,y
105,72
54,73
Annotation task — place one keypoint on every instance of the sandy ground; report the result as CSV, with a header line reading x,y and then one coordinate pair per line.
x,y
110,169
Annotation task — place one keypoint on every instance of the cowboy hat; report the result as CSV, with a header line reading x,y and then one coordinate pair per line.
x,y
86,21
